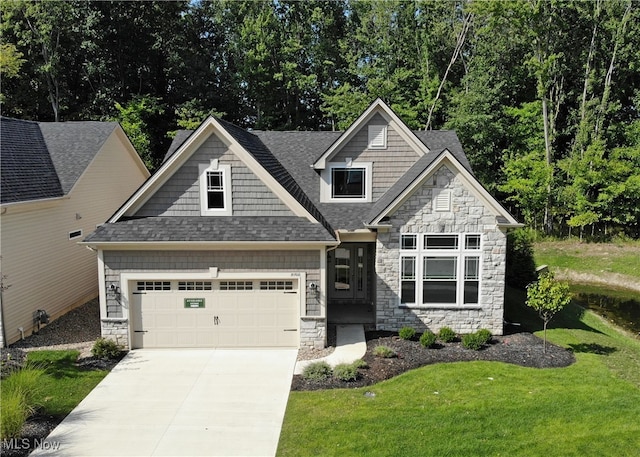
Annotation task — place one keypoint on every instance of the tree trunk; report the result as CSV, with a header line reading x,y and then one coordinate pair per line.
x,y
548,157
456,52
602,111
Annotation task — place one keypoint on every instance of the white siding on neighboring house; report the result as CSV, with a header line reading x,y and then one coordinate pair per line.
x,y
44,268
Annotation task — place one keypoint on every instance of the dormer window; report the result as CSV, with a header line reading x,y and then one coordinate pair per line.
x,y
377,137
347,182
215,189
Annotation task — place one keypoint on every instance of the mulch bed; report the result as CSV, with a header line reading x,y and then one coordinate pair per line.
x,y
524,349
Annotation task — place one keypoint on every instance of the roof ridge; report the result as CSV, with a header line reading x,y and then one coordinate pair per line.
x,y
276,170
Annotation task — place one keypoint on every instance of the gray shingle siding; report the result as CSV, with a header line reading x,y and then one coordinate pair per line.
x,y
117,262
388,164
180,195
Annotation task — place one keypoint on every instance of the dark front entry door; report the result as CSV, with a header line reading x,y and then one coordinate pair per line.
x,y
349,273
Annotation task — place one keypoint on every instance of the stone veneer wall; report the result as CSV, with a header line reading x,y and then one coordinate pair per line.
x,y
467,215
115,326
313,332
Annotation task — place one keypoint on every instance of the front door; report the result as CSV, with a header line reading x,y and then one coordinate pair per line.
x,y
349,273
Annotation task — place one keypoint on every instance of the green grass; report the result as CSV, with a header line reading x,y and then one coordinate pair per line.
x,y
63,384
19,399
486,408
595,258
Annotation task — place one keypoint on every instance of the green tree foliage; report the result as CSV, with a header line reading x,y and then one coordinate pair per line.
x,y
542,93
136,117
547,296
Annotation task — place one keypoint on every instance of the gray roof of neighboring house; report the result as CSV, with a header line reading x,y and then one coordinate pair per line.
x,y
211,229
73,145
26,169
45,159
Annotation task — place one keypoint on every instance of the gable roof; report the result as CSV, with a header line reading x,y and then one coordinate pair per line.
x,y
249,149
73,145
43,160
377,107
416,176
27,172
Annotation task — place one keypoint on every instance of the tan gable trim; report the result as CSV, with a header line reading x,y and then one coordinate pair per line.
x,y
447,159
377,107
209,127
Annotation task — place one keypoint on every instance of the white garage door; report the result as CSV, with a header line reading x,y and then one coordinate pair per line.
x,y
246,313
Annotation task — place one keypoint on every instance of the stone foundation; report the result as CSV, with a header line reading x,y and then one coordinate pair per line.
x,y
116,330
313,332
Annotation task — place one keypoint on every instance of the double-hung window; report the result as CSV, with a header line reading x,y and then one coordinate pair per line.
x,y
215,189
440,269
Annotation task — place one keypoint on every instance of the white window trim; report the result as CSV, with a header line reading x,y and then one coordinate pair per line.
x,y
374,131
461,253
326,181
226,183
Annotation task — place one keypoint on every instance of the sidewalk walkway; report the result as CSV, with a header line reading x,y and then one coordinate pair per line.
x,y
350,346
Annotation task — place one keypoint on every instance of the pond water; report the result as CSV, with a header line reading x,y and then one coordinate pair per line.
x,y
620,306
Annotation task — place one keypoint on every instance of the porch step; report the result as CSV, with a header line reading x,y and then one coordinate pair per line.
x,y
350,346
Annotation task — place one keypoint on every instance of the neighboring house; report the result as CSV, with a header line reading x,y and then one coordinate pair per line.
x,y
60,180
264,238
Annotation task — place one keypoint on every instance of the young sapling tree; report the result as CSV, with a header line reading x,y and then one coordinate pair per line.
x,y
547,296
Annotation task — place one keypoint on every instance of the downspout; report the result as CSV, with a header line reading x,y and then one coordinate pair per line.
x,y
4,334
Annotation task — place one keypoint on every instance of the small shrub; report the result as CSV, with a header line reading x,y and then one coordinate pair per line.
x,y
317,371
104,348
472,341
384,351
345,372
485,335
360,364
406,333
26,380
446,335
428,339
19,399
13,414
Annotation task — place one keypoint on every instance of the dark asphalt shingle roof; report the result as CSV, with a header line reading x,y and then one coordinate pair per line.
x,y
73,145
288,156
208,229
401,184
26,169
181,137
45,159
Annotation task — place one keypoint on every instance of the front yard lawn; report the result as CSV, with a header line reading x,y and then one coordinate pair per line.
x,y
590,408
64,384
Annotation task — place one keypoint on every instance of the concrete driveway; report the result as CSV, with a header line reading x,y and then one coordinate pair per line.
x,y
182,403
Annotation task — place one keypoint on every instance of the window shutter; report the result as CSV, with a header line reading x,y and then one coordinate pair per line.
x,y
377,136
442,201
